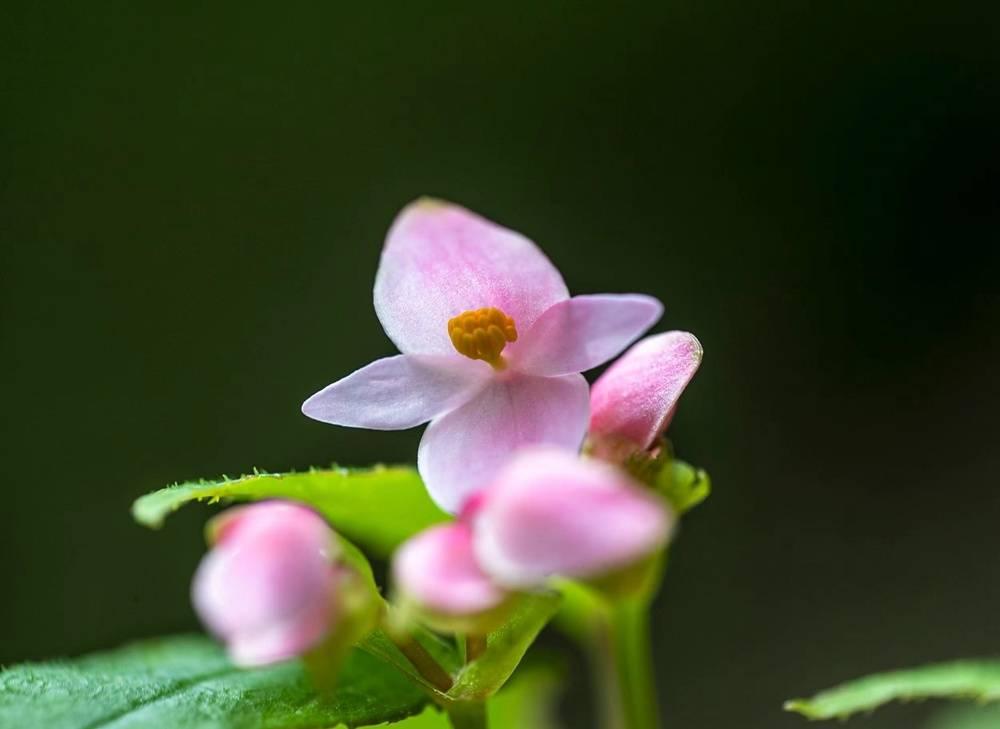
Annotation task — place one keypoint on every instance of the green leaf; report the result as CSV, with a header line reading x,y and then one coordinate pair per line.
x,y
964,717
504,649
377,508
683,485
186,682
979,680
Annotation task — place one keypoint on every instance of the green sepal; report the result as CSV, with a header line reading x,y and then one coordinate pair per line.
x,y
357,613
408,613
505,648
682,485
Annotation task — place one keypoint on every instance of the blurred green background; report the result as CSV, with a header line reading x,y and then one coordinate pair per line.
x,y
192,204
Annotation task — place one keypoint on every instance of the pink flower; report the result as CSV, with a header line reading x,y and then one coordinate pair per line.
x,y
552,514
492,347
269,587
547,514
436,571
632,403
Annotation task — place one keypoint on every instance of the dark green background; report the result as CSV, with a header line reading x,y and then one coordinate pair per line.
x,y
192,203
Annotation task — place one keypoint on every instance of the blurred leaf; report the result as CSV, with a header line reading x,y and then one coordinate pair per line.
x,y
186,682
504,649
979,680
966,717
529,701
376,508
683,485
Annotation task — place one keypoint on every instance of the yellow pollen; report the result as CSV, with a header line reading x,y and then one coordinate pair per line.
x,y
482,334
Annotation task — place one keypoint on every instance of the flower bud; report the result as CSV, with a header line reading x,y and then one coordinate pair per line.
x,y
550,513
633,402
270,587
436,576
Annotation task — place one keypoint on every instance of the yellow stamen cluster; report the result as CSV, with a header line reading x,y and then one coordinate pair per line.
x,y
482,334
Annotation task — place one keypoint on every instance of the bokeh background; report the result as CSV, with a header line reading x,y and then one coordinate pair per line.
x,y
192,203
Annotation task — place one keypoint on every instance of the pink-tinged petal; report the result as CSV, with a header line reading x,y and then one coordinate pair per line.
x,y
462,451
441,260
282,640
583,332
635,399
268,587
549,514
437,571
399,392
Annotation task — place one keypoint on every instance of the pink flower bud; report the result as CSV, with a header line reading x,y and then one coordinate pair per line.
x,y
436,573
550,513
269,586
633,402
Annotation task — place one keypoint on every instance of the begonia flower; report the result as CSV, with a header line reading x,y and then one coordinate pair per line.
x,y
633,402
269,587
551,514
435,573
492,346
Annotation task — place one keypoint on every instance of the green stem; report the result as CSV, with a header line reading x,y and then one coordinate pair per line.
x,y
606,674
633,660
423,661
475,646
468,715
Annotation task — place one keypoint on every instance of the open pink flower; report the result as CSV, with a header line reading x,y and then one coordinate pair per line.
x,y
552,514
492,347
632,403
268,588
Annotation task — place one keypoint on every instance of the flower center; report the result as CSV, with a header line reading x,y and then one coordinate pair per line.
x,y
482,334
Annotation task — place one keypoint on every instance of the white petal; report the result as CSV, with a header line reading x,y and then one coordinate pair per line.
x,y
461,452
440,260
583,332
399,392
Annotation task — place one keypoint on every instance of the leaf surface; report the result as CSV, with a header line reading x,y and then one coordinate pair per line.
x,y
186,682
964,716
978,680
376,508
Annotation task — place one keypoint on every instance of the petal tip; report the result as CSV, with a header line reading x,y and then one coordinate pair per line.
x,y
310,407
426,205
695,349
655,307
428,202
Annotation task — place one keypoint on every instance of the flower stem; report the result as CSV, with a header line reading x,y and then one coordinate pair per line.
x,y
468,715
475,645
604,669
633,661
423,661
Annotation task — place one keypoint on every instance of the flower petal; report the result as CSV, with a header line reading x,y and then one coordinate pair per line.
x,y
583,332
635,399
437,570
462,451
549,513
287,639
440,260
268,587
399,392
